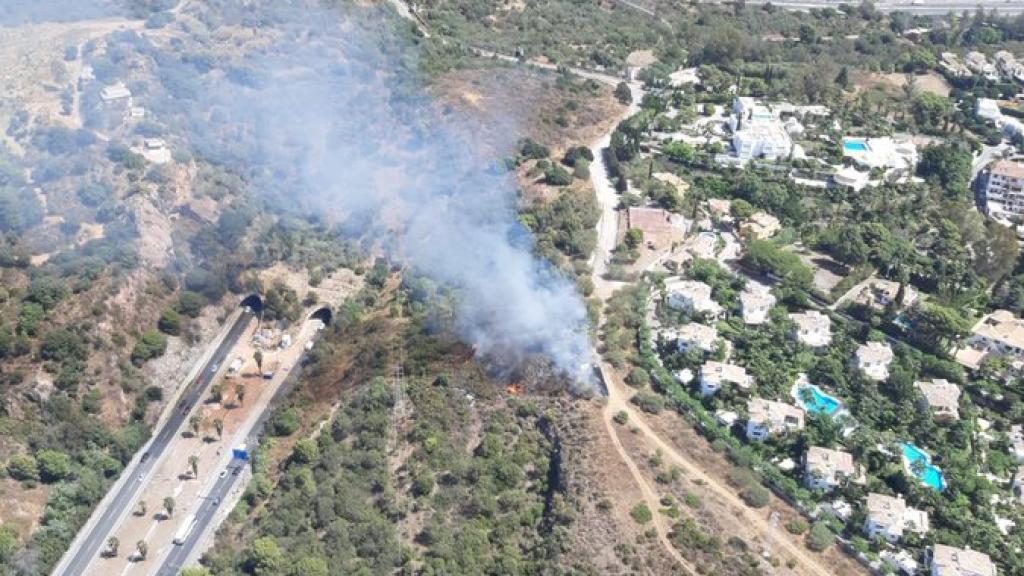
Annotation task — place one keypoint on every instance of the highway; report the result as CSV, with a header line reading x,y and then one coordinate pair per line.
x,y
127,494
212,502
921,7
179,556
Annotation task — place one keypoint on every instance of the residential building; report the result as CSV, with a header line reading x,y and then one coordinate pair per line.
x,y
760,226
851,178
755,303
885,153
768,141
873,360
115,93
900,560
978,63
1009,66
767,418
693,296
890,518
694,336
714,375
988,109
812,328
683,77
1000,332
758,132
951,63
720,208
942,397
950,561
826,469
880,293
726,418
1003,189
1017,443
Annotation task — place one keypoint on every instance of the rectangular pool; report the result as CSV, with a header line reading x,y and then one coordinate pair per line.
x,y
855,146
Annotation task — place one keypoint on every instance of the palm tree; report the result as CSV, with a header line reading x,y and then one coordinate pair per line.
x,y
112,545
141,511
193,463
195,422
142,548
169,506
218,425
240,393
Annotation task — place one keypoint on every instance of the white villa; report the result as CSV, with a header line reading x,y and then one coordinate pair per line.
x,y
767,418
713,375
755,303
694,336
812,328
826,469
873,360
950,561
942,397
883,153
890,518
758,132
693,296
115,92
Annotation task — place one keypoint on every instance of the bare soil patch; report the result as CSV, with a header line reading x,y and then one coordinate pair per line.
x,y
894,82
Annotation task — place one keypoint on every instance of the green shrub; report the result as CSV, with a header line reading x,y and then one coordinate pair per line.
x,y
756,496
820,537
648,402
638,378
23,467
152,344
641,513
170,322
796,526
54,466
621,417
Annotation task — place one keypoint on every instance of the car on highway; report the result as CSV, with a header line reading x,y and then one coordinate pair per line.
x,y
145,456
223,473
216,501
213,369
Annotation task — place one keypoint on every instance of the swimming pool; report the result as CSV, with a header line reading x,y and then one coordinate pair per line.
x,y
813,399
855,145
928,472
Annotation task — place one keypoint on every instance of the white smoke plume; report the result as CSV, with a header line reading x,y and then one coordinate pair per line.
x,y
338,122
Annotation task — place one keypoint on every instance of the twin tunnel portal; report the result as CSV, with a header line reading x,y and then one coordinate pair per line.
x,y
256,303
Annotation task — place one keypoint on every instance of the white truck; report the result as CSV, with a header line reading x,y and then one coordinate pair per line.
x,y
186,528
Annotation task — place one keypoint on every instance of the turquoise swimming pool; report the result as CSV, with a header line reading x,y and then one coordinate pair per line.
x,y
927,472
855,145
813,399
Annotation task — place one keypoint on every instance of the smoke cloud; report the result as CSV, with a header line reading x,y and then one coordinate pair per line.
x,y
19,12
338,122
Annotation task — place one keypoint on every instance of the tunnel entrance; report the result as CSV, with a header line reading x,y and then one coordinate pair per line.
x,y
322,314
254,303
